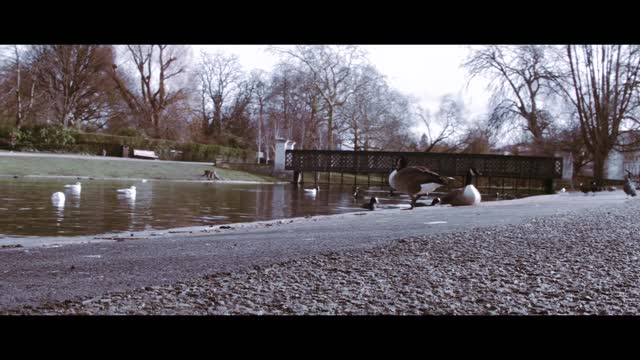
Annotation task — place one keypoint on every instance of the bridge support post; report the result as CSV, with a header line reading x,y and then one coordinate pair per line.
x,y
548,186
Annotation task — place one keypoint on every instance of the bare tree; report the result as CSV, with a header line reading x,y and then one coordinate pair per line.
x,y
519,81
155,66
601,82
16,65
447,123
220,75
74,80
330,69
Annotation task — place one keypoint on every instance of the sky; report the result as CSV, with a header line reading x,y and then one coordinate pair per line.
x,y
426,72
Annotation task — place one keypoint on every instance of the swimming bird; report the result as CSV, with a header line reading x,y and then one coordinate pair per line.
x,y
131,191
416,181
629,188
371,205
312,191
468,195
58,198
144,180
74,187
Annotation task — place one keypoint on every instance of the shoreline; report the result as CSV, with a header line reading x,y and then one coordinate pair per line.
x,y
204,230
148,179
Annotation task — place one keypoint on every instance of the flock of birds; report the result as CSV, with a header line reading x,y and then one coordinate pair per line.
x,y
418,181
58,198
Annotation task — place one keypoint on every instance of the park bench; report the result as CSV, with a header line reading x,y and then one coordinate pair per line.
x,y
146,154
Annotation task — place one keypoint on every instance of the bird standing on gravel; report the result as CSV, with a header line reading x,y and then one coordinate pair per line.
x,y
371,205
629,187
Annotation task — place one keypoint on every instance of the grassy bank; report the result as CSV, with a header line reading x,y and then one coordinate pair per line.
x,y
98,168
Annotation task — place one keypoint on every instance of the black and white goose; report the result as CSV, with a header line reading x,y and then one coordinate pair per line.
x,y
358,193
415,181
629,187
371,205
468,195
313,191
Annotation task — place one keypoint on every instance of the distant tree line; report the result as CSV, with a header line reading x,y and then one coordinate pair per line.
x,y
543,98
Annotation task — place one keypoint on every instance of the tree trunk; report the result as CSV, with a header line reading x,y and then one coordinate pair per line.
x,y
330,128
598,167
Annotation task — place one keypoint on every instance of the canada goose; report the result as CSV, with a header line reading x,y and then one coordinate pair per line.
x,y
401,163
371,205
312,191
468,195
58,198
131,191
435,201
74,187
629,187
416,181
594,187
358,193
584,188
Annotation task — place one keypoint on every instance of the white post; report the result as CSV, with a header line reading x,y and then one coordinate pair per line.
x,y
282,146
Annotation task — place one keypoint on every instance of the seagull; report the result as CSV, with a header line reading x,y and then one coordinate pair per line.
x,y
74,187
128,192
58,198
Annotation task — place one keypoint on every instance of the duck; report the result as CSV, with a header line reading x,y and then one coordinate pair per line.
x,y
131,191
468,195
312,191
371,205
629,187
416,181
58,198
585,189
74,187
358,193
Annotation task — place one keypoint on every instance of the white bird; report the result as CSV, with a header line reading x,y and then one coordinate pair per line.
x,y
128,192
312,191
74,187
563,190
144,180
58,198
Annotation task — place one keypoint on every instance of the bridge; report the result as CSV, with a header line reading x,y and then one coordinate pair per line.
x,y
540,170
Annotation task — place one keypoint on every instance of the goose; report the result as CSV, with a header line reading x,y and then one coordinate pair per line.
x,y
629,187
358,193
74,187
371,205
585,189
563,190
312,191
416,181
58,198
401,163
131,191
468,195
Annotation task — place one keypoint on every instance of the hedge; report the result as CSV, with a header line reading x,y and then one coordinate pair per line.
x,y
56,139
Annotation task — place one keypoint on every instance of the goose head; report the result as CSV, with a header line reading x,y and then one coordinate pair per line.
x,y
401,163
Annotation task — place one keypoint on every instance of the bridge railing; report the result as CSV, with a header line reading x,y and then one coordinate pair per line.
x,y
530,167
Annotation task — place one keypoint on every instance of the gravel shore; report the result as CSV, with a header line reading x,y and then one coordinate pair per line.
x,y
585,262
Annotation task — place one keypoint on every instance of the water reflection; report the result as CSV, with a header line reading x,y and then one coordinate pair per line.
x,y
161,205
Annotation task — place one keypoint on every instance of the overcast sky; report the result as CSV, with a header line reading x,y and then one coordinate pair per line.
x,y
426,72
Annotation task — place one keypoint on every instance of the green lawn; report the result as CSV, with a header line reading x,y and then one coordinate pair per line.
x,y
152,169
